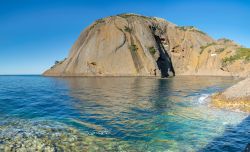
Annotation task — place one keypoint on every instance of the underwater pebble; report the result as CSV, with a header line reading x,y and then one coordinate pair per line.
x,y
28,136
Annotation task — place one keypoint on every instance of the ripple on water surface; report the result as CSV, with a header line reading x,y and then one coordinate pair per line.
x,y
117,114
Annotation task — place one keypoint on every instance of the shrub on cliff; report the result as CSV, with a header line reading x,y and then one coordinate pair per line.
x,y
152,50
241,53
133,48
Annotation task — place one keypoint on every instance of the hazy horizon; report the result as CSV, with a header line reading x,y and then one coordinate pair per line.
x,y
34,34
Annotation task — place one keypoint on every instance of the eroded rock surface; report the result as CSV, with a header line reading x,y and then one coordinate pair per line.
x,y
134,45
236,97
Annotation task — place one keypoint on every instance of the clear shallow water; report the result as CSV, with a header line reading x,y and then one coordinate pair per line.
x,y
117,114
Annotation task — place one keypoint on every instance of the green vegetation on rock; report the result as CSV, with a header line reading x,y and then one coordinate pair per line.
x,y
132,15
206,46
241,53
152,50
220,50
199,31
225,40
133,48
184,28
127,29
156,27
97,22
58,62
190,28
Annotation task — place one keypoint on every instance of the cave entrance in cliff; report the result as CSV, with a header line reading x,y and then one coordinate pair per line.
x,y
164,62
162,67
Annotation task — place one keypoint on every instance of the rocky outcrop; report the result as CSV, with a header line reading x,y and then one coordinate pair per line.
x,y
236,97
134,45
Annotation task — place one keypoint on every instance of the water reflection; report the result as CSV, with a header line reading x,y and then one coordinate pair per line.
x,y
121,94
139,114
122,106
156,111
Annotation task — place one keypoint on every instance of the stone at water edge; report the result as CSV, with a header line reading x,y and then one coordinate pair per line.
x,y
236,97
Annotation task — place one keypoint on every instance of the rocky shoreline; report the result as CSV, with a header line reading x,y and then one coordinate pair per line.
x,y
236,97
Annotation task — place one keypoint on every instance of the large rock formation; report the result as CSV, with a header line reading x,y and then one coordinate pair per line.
x,y
134,45
235,97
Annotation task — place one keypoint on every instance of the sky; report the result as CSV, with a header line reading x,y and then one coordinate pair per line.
x,y
36,33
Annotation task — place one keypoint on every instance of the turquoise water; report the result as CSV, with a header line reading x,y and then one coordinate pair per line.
x,y
117,114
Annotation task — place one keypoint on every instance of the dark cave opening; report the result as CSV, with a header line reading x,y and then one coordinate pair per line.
x,y
164,62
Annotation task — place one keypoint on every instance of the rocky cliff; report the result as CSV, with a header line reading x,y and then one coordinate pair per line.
x,y
134,45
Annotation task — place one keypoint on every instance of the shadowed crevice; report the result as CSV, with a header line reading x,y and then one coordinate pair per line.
x,y
164,62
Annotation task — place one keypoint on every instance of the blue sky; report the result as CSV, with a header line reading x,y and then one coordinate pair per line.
x,y
35,33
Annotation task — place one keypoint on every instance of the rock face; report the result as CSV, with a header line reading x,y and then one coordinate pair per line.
x,y
134,45
235,97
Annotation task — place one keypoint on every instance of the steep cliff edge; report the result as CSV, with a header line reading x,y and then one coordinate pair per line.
x,y
134,45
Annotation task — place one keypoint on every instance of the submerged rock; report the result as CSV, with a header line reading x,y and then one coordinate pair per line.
x,y
35,136
247,149
135,45
236,97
